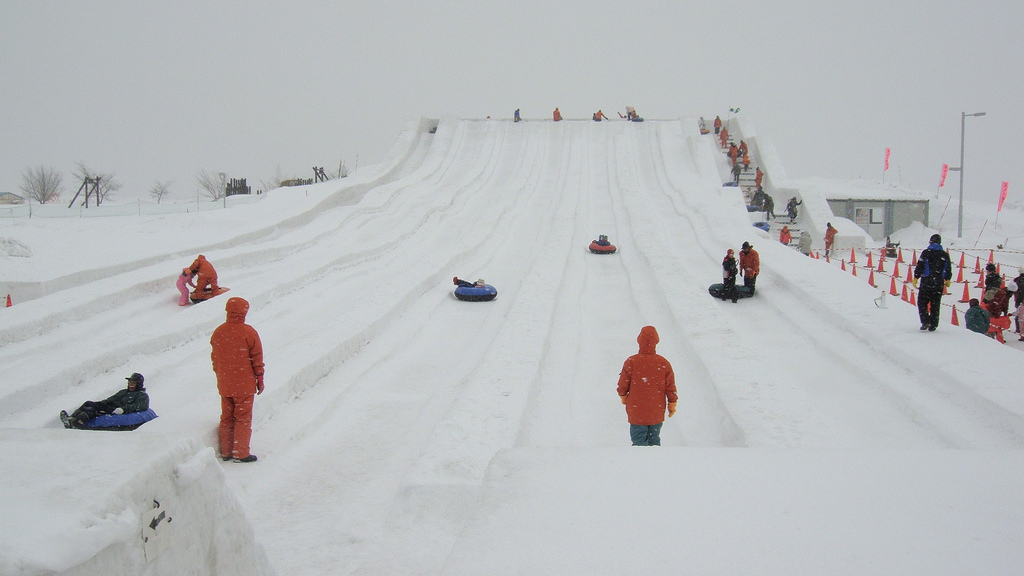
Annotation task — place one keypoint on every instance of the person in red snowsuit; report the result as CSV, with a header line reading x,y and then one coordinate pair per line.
x,y
206,274
830,236
647,386
758,177
785,236
237,358
718,124
724,136
998,308
750,265
556,115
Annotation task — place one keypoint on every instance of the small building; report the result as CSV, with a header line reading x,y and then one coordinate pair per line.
x,y
9,198
879,209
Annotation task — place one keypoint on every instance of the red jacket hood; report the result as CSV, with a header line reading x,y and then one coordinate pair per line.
x,y
648,340
237,308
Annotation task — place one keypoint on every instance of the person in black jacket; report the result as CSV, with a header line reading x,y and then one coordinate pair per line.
x,y
729,273
132,399
934,272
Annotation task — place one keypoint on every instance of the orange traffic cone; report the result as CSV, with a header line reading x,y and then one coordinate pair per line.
x,y
955,321
843,266
913,299
871,279
905,298
881,263
853,256
910,275
8,301
981,280
892,287
977,264
870,264
913,261
961,265
896,269
899,255
991,256
854,270
960,275
967,294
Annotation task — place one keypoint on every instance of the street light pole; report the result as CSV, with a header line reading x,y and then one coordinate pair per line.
x,y
960,169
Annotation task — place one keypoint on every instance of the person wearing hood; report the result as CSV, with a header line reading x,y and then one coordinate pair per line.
x,y
998,309
132,399
238,363
647,387
206,274
556,115
805,243
934,272
785,236
184,281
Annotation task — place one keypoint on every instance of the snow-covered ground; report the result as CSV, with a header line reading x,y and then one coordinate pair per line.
x,y
406,432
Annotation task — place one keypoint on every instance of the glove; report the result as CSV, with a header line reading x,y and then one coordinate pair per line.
x,y
623,398
914,282
259,384
118,410
948,282
671,409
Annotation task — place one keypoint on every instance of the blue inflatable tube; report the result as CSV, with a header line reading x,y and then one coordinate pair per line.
x,y
120,421
476,293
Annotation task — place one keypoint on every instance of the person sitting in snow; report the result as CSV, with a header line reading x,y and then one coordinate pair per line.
x,y
556,115
184,281
132,399
602,240
465,284
977,318
599,116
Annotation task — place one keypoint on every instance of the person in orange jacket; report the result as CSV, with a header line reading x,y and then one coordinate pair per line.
x,y
734,153
758,177
743,148
724,136
718,124
647,386
556,115
599,116
237,358
750,265
830,236
206,274
785,236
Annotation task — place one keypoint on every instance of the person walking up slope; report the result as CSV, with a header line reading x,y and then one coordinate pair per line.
x,y
934,272
238,363
647,387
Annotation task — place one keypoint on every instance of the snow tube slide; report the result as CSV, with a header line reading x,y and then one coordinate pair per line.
x,y
196,296
476,293
599,249
120,421
718,291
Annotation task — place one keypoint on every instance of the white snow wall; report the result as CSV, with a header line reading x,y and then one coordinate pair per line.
x,y
92,519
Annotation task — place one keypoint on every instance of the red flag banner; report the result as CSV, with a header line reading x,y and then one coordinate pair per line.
x,y
1002,195
945,171
887,150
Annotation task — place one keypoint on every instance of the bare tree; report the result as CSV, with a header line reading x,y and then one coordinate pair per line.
x,y
42,184
107,184
214,185
159,190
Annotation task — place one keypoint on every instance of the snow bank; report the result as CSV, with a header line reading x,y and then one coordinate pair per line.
x,y
714,511
74,503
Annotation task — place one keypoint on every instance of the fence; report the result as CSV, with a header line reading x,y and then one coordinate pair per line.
x,y
131,209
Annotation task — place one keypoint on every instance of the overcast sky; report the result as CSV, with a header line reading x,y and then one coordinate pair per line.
x,y
157,91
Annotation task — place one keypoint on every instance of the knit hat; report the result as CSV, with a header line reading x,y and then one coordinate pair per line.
x,y
1011,286
935,239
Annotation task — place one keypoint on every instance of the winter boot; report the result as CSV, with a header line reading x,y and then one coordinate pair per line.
x,y
65,419
249,458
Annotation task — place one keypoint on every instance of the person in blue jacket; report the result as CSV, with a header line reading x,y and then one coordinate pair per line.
x,y
934,273
132,399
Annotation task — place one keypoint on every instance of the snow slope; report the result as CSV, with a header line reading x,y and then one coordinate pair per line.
x,y
406,432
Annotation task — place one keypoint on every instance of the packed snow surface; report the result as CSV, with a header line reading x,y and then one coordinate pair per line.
x,y
406,432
